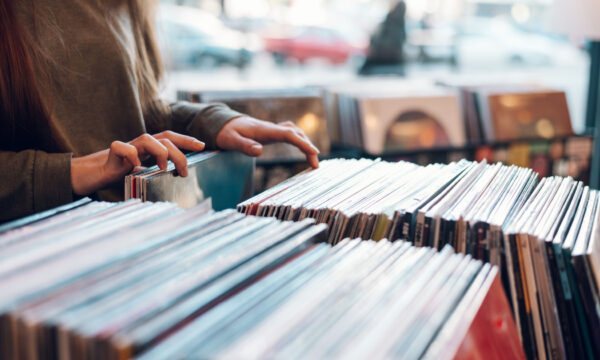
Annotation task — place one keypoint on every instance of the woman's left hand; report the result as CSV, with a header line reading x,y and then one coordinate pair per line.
x,y
246,134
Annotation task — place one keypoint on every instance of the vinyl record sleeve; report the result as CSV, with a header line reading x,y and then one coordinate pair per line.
x,y
568,319
535,114
567,248
389,123
42,215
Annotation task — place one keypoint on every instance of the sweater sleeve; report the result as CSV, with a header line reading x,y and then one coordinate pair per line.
x,y
33,181
202,121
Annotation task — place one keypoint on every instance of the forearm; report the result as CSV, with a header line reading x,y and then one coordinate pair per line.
x,y
203,121
87,173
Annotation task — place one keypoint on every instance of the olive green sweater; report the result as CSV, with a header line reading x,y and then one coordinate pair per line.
x,y
93,99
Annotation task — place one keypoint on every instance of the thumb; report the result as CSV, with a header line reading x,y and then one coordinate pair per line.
x,y
247,146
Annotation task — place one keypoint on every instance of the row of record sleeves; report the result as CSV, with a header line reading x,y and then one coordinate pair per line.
x,y
569,156
96,280
234,176
382,115
543,234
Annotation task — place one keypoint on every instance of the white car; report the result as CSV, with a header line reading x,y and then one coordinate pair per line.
x,y
486,42
194,38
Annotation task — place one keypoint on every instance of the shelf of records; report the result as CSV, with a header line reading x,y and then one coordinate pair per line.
x,y
391,115
566,156
561,156
544,235
150,280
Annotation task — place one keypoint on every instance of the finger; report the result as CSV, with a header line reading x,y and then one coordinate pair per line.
x,y
147,144
313,160
244,144
272,132
293,137
181,141
296,128
176,156
288,123
288,131
300,139
119,151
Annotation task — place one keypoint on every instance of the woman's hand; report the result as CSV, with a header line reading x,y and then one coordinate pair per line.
x,y
246,134
93,172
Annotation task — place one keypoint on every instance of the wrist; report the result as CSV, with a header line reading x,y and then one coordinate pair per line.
x,y
86,175
77,177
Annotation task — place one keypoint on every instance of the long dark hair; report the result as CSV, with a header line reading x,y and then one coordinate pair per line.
x,y
148,65
23,111
21,106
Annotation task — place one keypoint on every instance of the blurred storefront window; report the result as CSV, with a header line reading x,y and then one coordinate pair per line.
x,y
222,44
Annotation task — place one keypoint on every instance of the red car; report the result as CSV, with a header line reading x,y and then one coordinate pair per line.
x,y
311,42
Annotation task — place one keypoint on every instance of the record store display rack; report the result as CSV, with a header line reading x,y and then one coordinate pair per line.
x,y
544,235
419,120
95,280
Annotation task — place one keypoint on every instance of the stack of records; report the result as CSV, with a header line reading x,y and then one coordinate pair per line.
x,y
382,117
42,215
226,177
561,156
302,106
112,280
429,205
358,300
544,235
553,249
512,111
150,280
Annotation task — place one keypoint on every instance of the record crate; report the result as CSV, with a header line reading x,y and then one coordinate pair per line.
x,y
150,280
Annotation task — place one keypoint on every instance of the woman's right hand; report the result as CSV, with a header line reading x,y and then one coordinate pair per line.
x,y
95,171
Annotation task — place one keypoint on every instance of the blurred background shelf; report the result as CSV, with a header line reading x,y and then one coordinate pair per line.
x,y
265,46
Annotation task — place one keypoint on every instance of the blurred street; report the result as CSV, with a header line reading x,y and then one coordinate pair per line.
x,y
277,44
264,73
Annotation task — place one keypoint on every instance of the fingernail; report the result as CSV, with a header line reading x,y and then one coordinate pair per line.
x,y
199,143
256,147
